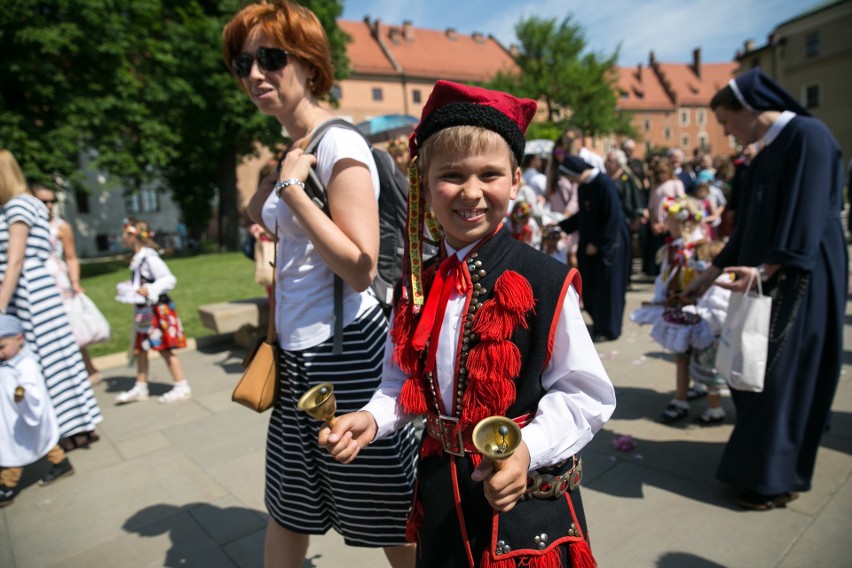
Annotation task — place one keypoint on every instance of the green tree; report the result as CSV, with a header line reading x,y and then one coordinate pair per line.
x,y
143,85
577,87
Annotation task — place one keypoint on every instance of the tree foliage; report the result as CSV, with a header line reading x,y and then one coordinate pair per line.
x,y
577,87
143,85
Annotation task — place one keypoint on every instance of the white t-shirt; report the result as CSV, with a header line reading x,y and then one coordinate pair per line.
x,y
304,290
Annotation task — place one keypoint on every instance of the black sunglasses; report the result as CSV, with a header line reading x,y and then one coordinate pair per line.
x,y
47,201
268,59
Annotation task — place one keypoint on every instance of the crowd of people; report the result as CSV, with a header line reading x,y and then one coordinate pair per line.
x,y
489,326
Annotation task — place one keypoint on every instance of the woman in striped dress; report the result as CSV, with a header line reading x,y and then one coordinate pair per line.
x,y
29,292
280,56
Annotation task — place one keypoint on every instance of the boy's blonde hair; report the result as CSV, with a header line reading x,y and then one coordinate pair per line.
x,y
462,140
707,250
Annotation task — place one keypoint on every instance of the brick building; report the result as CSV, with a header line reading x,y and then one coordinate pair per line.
x,y
670,103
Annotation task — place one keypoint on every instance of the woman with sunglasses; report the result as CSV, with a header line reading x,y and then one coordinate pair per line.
x,y
28,292
63,263
280,56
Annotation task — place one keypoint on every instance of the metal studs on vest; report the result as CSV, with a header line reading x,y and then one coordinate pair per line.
x,y
502,548
573,530
541,541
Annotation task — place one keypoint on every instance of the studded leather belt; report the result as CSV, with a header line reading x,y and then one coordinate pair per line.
x,y
546,483
456,440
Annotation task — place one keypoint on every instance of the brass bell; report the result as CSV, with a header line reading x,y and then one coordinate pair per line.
x,y
496,438
319,402
19,393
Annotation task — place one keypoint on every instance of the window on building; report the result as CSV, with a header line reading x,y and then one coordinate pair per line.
x,y
667,133
336,92
684,140
103,242
732,142
700,117
416,96
684,117
81,198
812,44
703,143
377,94
146,200
812,96
646,125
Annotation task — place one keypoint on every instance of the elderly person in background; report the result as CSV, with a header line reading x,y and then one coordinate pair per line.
x,y
629,195
789,235
29,292
686,177
280,56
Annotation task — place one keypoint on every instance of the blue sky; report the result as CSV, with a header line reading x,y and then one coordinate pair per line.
x,y
672,28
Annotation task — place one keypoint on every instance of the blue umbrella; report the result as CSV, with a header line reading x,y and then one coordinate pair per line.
x,y
387,127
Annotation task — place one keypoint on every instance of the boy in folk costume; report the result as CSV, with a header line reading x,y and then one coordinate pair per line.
x,y
492,327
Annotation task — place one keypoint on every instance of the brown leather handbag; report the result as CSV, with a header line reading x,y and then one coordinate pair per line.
x,y
258,388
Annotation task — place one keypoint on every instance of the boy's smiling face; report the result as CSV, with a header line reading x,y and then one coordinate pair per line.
x,y
470,193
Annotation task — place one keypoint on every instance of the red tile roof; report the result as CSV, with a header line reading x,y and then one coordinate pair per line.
x,y
667,85
692,89
427,54
365,54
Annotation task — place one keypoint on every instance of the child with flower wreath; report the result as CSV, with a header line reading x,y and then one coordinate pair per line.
x,y
157,326
688,331
523,226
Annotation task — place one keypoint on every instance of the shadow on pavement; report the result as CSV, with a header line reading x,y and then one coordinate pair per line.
x,y
685,560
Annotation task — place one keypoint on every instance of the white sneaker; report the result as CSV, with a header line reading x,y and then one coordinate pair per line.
x,y
177,394
137,394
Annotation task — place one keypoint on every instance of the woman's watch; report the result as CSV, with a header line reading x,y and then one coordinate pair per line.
x,y
761,271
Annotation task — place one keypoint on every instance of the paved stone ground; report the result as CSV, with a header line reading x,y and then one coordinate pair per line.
x,y
182,485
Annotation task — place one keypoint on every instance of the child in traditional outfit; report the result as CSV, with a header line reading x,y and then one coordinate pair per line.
x,y
490,328
522,225
674,328
156,322
28,428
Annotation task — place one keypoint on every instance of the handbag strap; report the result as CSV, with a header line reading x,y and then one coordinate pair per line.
x,y
759,284
270,326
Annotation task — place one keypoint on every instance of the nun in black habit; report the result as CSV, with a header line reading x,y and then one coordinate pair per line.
x,y
602,250
789,234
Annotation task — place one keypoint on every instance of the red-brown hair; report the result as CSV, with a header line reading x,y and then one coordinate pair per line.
x,y
293,28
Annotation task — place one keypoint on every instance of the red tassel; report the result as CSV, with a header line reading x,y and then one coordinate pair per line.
x,y
403,323
491,359
415,521
412,397
514,292
430,447
495,322
581,555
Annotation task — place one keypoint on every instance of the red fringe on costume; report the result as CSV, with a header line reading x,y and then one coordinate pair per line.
x,y
579,551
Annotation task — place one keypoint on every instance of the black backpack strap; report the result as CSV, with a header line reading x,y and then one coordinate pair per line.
x,y
316,191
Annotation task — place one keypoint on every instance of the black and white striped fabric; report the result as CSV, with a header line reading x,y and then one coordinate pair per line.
x,y
37,303
307,491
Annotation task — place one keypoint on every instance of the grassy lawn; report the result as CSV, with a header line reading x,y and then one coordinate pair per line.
x,y
201,279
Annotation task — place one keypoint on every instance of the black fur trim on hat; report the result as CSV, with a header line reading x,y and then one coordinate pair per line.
x,y
471,114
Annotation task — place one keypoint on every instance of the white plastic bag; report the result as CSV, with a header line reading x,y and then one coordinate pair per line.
x,y
88,324
744,343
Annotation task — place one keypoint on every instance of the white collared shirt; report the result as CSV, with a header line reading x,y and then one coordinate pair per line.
x,y
783,119
579,396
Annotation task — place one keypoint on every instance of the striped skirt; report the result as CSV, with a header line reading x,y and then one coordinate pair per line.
x,y
307,491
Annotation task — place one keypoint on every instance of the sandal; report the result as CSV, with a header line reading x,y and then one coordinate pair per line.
x,y
694,393
673,413
755,501
708,420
